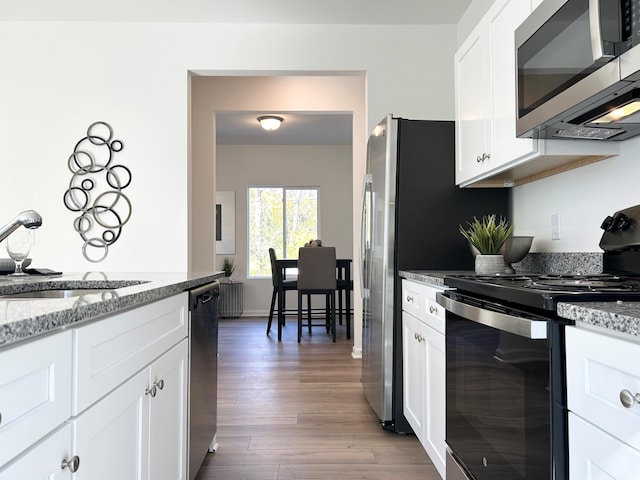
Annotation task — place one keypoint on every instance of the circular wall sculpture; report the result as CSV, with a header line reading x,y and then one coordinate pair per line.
x,y
95,191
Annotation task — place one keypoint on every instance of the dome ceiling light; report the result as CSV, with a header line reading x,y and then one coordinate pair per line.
x,y
270,122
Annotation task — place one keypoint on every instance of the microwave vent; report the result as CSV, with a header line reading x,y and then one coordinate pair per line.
x,y
588,133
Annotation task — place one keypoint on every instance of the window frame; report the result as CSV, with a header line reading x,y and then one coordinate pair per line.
x,y
284,188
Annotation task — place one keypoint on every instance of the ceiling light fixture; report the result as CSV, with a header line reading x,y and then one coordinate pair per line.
x,y
270,122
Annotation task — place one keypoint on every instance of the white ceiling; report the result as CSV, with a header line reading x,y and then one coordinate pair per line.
x,y
241,128
359,12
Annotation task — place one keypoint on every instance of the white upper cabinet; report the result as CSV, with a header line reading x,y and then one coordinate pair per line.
x,y
488,153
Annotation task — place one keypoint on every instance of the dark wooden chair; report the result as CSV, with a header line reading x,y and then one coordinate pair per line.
x,y
278,280
317,276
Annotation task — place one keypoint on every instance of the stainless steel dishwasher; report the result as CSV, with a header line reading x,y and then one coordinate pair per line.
x,y
203,368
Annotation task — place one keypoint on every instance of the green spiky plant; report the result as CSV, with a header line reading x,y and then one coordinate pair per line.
x,y
228,266
487,235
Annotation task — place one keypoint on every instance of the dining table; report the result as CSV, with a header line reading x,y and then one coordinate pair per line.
x,y
343,271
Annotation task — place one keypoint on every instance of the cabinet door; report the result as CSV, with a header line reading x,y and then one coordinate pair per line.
x,y
435,406
595,455
35,392
503,19
414,373
43,461
111,437
472,105
168,415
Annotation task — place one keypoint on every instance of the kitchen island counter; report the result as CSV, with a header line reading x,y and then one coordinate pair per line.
x,y
26,318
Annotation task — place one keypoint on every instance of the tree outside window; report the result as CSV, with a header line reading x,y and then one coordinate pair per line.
x,y
282,218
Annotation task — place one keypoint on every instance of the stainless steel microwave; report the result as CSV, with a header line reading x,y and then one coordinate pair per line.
x,y
578,70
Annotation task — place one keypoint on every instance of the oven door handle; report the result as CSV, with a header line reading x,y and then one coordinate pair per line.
x,y
524,327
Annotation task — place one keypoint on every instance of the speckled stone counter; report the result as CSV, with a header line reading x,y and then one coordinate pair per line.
x,y
432,277
24,318
621,317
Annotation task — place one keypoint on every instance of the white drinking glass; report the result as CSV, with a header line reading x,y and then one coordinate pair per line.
x,y
18,247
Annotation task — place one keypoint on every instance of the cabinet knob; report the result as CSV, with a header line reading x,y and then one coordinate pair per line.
x,y
72,464
479,158
628,399
433,310
409,299
160,384
151,391
418,337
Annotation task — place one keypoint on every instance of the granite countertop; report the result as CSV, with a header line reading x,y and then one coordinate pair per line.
x,y
432,277
622,317
24,318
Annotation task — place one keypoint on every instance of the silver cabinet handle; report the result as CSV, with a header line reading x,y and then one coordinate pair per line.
x,y
0,418
628,399
418,337
153,391
72,464
483,157
433,310
409,299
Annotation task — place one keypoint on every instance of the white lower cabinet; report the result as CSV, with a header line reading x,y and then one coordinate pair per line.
x,y
117,411
168,415
603,379
424,368
111,438
139,430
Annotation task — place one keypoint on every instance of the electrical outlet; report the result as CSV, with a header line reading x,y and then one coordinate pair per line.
x,y
555,226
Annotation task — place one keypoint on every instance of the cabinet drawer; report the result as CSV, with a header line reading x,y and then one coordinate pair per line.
x,y
599,367
35,391
434,314
593,454
411,298
112,350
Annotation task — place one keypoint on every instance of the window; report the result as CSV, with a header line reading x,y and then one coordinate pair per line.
x,y
284,218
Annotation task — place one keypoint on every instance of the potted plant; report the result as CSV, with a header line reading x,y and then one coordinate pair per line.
x,y
228,267
488,236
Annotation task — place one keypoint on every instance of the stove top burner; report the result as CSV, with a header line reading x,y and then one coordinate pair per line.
x,y
593,283
544,291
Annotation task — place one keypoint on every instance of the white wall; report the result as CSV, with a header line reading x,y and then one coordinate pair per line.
x,y
329,167
582,197
57,78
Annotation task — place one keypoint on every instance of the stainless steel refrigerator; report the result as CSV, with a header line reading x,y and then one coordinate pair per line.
x,y
411,212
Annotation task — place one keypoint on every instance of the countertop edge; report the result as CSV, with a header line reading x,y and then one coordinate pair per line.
x,y
24,320
621,317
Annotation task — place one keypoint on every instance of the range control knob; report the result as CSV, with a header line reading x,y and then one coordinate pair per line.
x,y
607,224
621,222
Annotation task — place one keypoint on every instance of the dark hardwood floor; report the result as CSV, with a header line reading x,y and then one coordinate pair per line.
x,y
289,411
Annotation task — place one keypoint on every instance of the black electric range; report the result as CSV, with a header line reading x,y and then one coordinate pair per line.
x,y
506,410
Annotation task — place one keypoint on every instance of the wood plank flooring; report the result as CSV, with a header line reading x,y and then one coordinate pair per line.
x,y
289,411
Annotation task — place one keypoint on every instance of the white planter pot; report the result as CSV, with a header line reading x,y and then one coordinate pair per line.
x,y
489,264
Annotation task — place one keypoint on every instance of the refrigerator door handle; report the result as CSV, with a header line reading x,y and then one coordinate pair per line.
x,y
365,229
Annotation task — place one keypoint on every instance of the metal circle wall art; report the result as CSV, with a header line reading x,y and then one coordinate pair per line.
x,y
96,191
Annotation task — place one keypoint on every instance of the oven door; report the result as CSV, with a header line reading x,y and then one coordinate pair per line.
x,y
498,403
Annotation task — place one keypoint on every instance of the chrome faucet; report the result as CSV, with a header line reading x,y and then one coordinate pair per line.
x,y
29,218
